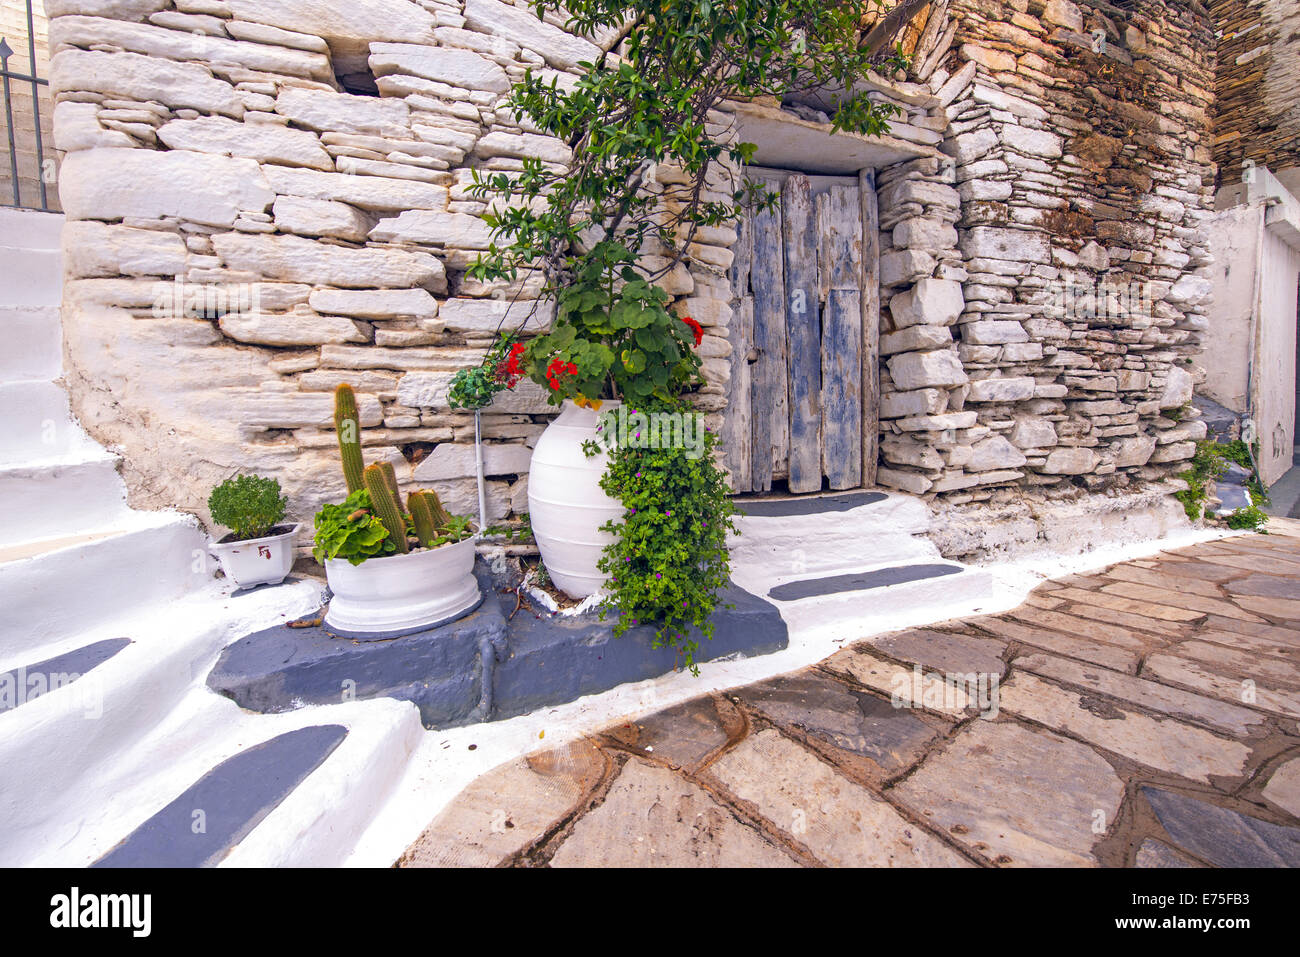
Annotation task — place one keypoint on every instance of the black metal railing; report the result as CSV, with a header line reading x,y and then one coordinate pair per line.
x,y
10,78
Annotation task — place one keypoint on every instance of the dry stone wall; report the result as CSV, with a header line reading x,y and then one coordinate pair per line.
x,y
1258,84
269,197
266,199
1044,310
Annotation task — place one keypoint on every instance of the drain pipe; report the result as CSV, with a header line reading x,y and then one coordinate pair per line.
x,y
478,463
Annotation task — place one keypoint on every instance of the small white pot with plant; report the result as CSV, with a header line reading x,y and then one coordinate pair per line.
x,y
393,571
258,550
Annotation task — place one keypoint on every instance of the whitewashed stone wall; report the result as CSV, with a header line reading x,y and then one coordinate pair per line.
x,y
211,147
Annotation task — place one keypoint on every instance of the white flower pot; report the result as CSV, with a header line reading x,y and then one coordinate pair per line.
x,y
402,594
566,504
257,561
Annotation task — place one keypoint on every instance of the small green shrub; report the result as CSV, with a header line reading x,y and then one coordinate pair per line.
x,y
249,505
1251,517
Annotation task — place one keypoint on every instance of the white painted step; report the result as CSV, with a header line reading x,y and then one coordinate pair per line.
x,y
71,586
32,343
850,615
60,497
38,424
774,549
30,229
32,277
89,746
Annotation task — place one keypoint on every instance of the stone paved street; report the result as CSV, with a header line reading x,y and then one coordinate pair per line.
x,y
1144,715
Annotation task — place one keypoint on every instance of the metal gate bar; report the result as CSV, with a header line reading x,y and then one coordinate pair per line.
x,y
6,51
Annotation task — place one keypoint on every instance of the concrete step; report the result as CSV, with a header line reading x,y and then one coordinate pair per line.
x,y
876,598
59,589
39,424
819,535
33,343
55,498
89,742
33,277
30,229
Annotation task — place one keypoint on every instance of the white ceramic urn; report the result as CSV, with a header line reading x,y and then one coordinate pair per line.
x,y
566,504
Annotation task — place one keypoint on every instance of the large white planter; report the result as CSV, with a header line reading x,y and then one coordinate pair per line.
x,y
401,594
256,561
566,504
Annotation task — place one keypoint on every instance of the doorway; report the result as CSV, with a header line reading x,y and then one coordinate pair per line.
x,y
803,406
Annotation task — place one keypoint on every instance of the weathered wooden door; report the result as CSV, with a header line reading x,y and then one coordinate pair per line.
x,y
803,398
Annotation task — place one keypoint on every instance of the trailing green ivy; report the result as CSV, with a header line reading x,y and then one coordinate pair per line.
x,y
669,557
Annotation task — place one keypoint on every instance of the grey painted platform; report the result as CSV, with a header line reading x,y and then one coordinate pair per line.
x,y
807,504
32,681
229,801
860,581
483,667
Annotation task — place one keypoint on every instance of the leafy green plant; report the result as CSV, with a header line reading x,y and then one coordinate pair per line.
x,y
249,505
1209,463
351,531
669,557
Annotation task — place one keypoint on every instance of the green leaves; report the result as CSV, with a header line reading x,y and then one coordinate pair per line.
x,y
655,106
351,531
249,505
669,557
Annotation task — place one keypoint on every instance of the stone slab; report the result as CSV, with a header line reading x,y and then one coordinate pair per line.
x,y
841,823
651,817
1017,797
511,807
1165,744
480,667
859,730
1222,836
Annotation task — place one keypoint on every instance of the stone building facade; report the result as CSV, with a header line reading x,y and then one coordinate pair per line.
x,y
1258,84
249,224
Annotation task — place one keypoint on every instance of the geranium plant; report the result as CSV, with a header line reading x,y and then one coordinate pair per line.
x,y
653,165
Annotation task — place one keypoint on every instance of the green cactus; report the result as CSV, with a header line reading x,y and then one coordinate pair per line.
x,y
390,476
387,506
347,422
426,529
440,515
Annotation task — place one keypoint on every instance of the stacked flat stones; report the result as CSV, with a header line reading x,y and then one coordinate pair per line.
x,y
212,142
1070,171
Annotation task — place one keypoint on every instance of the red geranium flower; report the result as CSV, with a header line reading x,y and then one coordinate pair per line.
x,y
556,368
695,327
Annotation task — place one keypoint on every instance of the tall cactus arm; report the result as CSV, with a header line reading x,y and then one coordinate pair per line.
x,y
390,476
426,529
386,506
347,422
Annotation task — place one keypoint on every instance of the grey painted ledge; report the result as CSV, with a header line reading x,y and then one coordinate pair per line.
x,y
482,667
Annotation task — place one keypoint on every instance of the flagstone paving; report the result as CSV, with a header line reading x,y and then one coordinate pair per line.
x,y
1144,716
